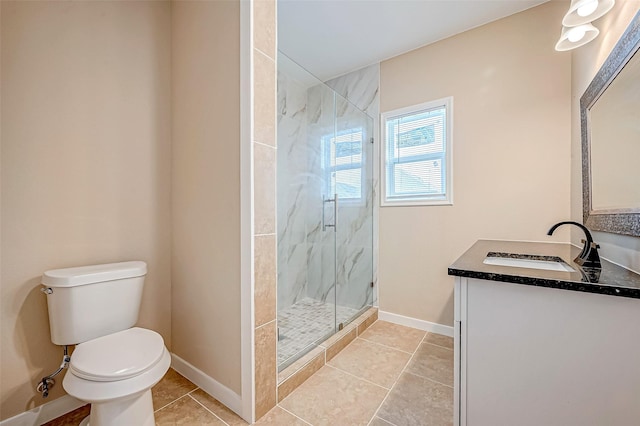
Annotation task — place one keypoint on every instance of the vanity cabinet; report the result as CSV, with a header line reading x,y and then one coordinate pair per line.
x,y
527,353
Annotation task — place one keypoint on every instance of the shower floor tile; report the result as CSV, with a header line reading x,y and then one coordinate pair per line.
x,y
305,323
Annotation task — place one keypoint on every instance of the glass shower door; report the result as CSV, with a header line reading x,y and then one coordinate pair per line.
x,y
325,206
352,182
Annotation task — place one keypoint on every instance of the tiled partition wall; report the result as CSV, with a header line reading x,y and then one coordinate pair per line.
x,y
264,203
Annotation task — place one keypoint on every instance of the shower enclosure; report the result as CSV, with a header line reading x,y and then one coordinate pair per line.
x,y
325,206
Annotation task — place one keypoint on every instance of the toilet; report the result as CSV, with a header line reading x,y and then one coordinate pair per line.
x,y
114,364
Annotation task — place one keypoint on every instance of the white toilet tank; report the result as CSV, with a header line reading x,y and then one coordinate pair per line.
x,y
92,301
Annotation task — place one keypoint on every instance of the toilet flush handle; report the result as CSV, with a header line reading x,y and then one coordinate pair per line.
x,y
46,290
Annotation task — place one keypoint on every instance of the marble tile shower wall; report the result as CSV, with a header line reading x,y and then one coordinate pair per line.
x,y
361,88
305,252
291,190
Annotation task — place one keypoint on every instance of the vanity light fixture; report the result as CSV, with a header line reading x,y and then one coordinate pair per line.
x,y
577,29
584,11
573,37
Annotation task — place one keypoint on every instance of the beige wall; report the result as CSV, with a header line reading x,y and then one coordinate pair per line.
x,y
85,165
206,187
586,61
512,150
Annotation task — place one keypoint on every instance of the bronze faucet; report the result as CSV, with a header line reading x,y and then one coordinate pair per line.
x,y
589,257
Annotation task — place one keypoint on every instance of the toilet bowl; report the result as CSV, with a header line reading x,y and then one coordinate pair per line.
x,y
115,374
114,364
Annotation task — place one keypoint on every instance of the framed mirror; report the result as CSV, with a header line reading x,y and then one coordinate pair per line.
x,y
610,128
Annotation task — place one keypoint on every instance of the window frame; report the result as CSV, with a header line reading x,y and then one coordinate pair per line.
x,y
329,169
419,199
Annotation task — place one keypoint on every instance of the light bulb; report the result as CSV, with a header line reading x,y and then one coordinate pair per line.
x,y
588,8
573,37
575,34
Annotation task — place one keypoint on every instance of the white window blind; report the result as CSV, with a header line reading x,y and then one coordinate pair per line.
x,y
416,154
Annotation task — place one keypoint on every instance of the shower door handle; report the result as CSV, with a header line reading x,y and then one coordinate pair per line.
x,y
333,200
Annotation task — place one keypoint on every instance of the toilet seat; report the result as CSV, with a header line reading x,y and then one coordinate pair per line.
x,y
118,356
99,392
96,391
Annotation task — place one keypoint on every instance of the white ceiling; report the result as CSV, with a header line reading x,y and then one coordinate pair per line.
x,y
333,37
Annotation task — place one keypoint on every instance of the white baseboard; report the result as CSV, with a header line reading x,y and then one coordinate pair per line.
x,y
416,323
65,404
229,398
45,412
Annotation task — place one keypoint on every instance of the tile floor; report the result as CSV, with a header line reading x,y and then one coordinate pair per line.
x,y
390,375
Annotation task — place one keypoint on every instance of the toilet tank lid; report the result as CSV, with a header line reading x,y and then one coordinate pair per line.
x,y
81,275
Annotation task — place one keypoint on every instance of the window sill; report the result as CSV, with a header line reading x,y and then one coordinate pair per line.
x,y
415,203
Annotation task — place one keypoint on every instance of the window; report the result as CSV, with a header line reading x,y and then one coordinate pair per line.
x,y
416,155
343,164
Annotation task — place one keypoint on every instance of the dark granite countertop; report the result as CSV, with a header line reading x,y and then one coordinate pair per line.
x,y
612,279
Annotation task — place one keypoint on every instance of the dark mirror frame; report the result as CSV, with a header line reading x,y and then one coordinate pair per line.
x,y
615,221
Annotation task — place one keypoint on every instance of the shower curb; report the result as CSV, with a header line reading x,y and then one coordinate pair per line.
x,y
298,372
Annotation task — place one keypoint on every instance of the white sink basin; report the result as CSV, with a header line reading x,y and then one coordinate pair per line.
x,y
549,265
